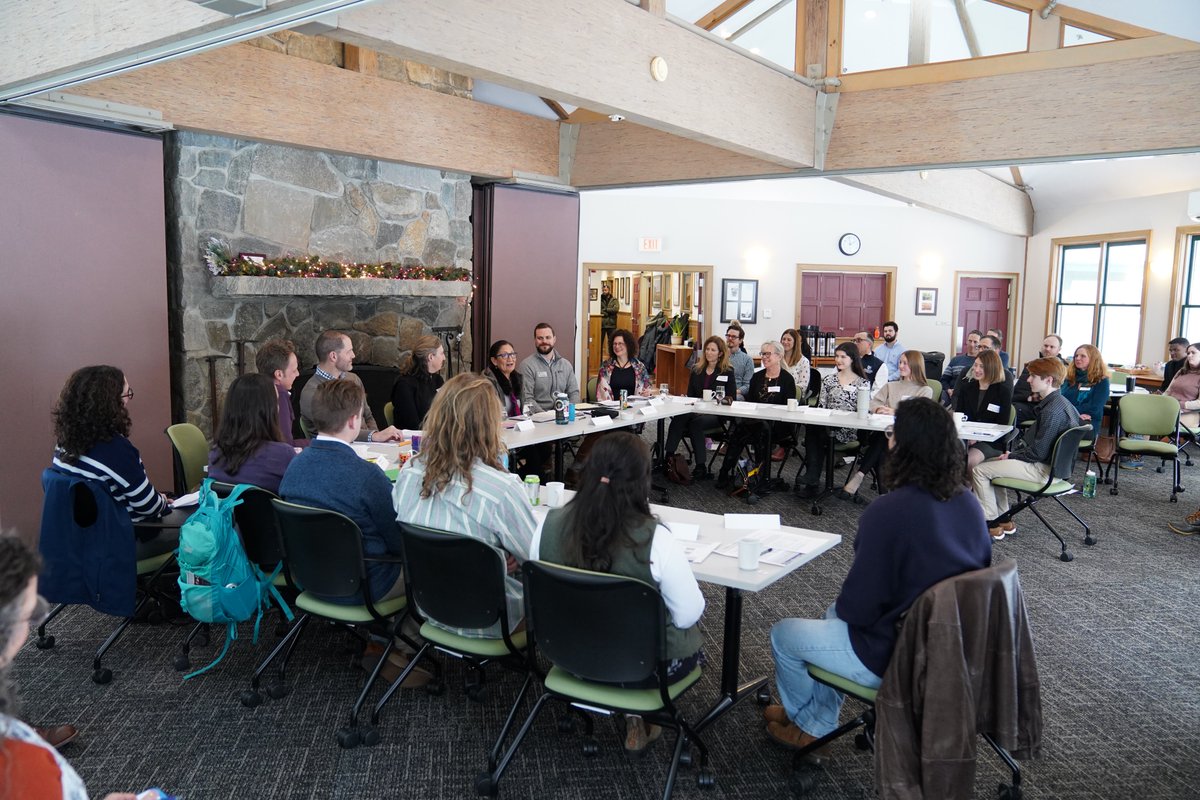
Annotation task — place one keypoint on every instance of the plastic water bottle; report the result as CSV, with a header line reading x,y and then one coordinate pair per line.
x,y
864,401
1089,484
560,408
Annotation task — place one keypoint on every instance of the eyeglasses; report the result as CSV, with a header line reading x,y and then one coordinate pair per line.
x,y
768,354
506,355
889,432
128,395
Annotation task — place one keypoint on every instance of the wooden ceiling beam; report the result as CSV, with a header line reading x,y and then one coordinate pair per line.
x,y
1084,19
722,12
251,93
597,55
1071,112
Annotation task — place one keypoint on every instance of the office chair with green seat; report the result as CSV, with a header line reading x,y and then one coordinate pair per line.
x,y
389,413
598,631
936,387
190,451
1155,416
1062,464
324,555
590,395
455,581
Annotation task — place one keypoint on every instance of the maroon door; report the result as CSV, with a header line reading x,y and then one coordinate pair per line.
x,y
982,304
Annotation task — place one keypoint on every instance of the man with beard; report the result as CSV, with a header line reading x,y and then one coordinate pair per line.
x,y
1023,399
335,359
877,371
890,351
546,373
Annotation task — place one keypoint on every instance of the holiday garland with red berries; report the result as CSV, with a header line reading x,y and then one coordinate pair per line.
x,y
221,262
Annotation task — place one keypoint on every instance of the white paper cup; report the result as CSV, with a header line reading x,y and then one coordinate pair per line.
x,y
793,404
708,395
554,493
960,418
748,552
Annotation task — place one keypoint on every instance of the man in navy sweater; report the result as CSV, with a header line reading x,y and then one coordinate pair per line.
x,y
329,474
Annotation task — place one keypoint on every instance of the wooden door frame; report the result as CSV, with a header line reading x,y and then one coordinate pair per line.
x,y
1012,345
595,266
889,308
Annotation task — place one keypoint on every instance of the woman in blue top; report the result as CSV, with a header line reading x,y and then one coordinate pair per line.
x,y
929,527
1087,385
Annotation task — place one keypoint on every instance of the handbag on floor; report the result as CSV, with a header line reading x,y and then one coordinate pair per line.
x,y
678,470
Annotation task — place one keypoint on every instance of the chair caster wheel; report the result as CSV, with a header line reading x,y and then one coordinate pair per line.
x,y
278,691
368,736
1174,499
566,725
752,499
763,696
1113,490
817,510
802,782
706,780
202,640
155,617
1159,470
590,748
102,676
45,643
476,692
862,741
182,663
251,698
1067,555
347,738
1007,792
485,785
1089,540
435,688
685,758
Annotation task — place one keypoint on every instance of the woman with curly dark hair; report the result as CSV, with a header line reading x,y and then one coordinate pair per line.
x,y
926,529
250,446
91,428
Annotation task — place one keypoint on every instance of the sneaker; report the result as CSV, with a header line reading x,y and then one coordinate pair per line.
x,y
1132,463
1187,528
793,738
997,532
1010,528
639,735
776,713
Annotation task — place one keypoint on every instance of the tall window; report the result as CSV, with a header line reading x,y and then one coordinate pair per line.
x,y
1189,320
1099,297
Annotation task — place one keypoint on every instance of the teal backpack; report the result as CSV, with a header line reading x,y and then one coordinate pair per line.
x,y
217,582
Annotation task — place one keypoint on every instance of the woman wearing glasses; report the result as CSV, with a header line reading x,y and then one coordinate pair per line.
x,y
772,384
503,375
927,528
29,766
624,371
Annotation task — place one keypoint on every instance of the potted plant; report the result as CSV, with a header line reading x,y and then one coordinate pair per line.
x,y
679,326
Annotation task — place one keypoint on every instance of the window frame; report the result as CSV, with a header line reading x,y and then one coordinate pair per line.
x,y
1104,240
1183,235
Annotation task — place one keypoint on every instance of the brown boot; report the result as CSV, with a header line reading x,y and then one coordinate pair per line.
x,y
58,735
793,738
775,713
639,736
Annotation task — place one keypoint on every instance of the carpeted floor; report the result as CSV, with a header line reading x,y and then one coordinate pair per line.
x,y
1117,635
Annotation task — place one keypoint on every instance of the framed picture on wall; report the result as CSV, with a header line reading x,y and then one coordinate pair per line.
x,y
686,300
926,302
628,290
593,295
656,291
668,286
739,301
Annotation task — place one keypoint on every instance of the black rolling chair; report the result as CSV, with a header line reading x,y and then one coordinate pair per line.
x,y
258,530
88,546
598,631
324,554
455,581
1062,464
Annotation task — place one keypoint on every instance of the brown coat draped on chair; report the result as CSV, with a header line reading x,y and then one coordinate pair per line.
x,y
963,666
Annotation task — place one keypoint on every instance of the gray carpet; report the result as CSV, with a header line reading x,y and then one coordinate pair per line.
x,y
1116,630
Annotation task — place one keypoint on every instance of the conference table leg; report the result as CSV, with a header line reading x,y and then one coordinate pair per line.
x,y
731,649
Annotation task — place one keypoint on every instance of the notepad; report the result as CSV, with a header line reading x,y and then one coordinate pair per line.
x,y
698,551
684,531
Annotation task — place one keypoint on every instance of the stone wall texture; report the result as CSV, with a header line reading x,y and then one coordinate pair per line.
x,y
269,199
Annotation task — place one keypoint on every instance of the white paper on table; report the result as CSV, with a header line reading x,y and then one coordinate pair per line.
x,y
697,551
525,425
779,547
750,522
602,422
743,405
610,403
649,411
820,412
656,401
684,531
186,501
687,401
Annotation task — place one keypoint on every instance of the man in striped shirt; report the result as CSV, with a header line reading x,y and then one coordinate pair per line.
x,y
335,359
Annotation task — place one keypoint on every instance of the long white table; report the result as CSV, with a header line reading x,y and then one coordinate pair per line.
x,y
724,571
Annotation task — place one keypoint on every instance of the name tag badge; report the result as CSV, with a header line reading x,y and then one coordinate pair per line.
x,y
773,389
995,409
722,378
543,374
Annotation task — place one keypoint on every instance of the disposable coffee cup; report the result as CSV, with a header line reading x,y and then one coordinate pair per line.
x,y
793,404
554,493
748,552
708,395
960,418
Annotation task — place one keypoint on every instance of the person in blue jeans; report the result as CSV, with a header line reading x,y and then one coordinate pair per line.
x,y
929,527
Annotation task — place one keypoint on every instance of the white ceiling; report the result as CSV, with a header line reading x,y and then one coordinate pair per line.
x,y
1076,183
1175,17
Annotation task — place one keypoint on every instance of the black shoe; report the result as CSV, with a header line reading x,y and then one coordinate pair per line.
x,y
701,474
842,494
724,480
807,491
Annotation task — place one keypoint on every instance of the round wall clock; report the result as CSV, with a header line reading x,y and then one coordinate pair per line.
x,y
849,244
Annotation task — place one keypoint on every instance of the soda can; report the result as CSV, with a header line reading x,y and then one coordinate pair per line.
x,y
416,443
532,486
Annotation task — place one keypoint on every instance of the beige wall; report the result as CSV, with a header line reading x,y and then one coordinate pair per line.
x,y
82,254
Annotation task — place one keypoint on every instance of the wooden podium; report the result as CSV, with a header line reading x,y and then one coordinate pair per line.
x,y
670,362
